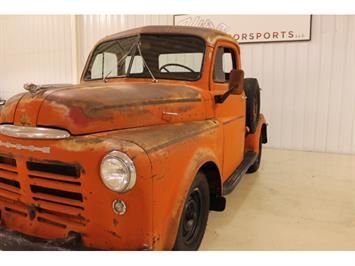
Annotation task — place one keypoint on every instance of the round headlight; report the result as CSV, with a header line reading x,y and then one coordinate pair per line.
x,y
118,172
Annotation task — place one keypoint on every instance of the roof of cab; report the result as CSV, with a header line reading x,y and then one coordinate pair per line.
x,y
209,35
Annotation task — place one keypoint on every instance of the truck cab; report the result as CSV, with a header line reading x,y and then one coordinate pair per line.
x,y
161,127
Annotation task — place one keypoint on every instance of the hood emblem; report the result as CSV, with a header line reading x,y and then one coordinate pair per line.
x,y
24,119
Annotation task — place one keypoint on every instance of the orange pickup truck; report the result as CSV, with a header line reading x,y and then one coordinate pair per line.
x,y
160,128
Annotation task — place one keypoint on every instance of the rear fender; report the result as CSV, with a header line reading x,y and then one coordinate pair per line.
x,y
252,140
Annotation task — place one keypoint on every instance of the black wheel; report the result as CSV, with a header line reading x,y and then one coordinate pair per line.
x,y
252,91
255,166
194,215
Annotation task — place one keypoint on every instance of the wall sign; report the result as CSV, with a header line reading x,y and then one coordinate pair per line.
x,y
254,28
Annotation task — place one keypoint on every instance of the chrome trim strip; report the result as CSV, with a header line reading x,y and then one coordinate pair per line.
x,y
25,147
33,132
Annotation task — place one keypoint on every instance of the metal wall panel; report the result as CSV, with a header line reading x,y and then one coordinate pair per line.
x,y
308,92
309,87
34,49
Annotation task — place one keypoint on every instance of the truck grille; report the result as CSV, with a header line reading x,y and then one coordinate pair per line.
x,y
51,189
9,184
61,169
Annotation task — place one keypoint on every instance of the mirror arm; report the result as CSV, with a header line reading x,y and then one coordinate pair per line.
x,y
223,97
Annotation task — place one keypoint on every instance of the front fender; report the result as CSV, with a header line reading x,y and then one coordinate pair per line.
x,y
176,152
174,168
179,195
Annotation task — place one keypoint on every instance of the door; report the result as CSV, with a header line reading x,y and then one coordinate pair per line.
x,y
231,113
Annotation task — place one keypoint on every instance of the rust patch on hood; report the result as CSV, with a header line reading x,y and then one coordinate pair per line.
x,y
102,108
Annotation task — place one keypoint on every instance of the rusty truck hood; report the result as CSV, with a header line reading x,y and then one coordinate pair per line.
x,y
84,109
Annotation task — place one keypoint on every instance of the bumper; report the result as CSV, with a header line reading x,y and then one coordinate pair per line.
x,y
14,241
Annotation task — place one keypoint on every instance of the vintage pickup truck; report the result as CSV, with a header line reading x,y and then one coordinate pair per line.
x,y
160,128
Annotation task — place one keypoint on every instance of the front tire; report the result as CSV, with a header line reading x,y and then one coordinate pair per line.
x,y
194,216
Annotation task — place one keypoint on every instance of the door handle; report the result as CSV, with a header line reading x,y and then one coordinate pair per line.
x,y
168,116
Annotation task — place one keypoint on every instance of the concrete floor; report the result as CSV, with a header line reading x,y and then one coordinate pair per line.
x,y
297,201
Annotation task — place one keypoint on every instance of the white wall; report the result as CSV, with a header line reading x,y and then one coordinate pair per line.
x,y
34,49
308,87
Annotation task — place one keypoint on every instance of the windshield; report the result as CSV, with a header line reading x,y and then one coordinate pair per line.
x,y
158,56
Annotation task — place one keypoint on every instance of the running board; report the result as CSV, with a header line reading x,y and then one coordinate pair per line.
x,y
233,180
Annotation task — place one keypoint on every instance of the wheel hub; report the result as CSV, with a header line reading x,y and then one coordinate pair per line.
x,y
192,215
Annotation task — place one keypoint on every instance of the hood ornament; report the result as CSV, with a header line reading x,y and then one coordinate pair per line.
x,y
33,88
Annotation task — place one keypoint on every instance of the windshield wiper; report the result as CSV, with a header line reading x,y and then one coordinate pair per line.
x,y
136,45
121,60
144,62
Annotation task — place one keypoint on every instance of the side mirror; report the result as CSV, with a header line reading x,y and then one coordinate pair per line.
x,y
236,85
236,81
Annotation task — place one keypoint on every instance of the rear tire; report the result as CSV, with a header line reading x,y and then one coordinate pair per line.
x,y
252,91
194,216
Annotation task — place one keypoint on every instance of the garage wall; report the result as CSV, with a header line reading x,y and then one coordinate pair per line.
x,y
34,49
308,87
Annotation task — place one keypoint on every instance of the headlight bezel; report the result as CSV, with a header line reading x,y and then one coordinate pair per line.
x,y
127,162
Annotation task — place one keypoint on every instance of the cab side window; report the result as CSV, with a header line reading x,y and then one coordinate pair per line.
x,y
225,61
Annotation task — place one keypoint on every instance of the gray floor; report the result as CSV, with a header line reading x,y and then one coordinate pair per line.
x,y
297,201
